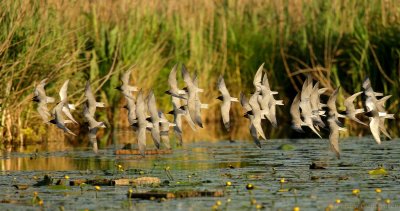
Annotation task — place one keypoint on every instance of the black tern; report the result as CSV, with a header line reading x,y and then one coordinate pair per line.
x,y
253,131
125,88
226,99
64,98
42,99
334,135
351,111
297,122
59,120
91,102
155,119
142,123
173,84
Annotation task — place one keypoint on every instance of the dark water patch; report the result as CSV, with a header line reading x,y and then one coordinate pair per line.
x,y
208,166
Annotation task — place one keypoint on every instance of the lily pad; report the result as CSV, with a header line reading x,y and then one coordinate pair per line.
x,y
378,171
286,147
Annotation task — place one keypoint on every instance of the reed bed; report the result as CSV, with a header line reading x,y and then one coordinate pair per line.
x,y
339,42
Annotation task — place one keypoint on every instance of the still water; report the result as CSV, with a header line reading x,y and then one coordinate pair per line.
x,y
204,165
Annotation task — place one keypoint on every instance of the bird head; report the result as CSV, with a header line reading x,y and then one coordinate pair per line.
x,y
35,99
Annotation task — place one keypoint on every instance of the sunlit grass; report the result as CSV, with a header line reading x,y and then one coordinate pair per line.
x,y
338,42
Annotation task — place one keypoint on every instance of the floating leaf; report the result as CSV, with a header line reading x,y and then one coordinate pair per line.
x,y
286,147
378,171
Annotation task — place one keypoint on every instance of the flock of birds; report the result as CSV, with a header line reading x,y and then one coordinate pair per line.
x,y
306,109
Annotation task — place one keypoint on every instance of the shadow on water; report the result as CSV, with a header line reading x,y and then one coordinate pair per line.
x,y
239,162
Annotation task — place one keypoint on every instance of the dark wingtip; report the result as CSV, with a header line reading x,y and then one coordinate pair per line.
x,y
227,126
297,129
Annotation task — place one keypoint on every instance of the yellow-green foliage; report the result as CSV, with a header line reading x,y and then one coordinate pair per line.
x,y
338,42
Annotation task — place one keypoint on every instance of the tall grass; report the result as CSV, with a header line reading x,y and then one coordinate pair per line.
x,y
338,42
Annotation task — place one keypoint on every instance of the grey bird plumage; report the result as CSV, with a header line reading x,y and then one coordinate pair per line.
x,y
59,120
332,105
193,103
141,123
42,99
226,99
253,131
315,105
334,135
91,102
131,107
351,110
90,119
269,103
94,126
305,104
155,119
307,114
177,112
164,130
173,85
125,88
256,112
376,111
297,122
64,98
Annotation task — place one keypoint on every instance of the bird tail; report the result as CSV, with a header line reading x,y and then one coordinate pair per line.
x,y
314,130
234,99
359,111
71,106
50,100
279,102
70,132
133,89
100,104
204,106
389,116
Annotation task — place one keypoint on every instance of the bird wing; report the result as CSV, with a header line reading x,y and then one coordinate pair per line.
x,y
67,113
43,112
332,101
173,83
152,106
141,139
186,76
225,107
257,81
222,88
374,127
334,138
63,91
125,77
243,101
294,109
265,81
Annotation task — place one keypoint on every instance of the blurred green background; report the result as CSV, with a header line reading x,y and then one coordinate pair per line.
x,y
338,42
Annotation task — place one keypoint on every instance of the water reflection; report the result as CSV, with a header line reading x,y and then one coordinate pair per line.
x,y
240,162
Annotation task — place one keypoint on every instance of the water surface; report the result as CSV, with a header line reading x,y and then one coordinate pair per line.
x,y
208,166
